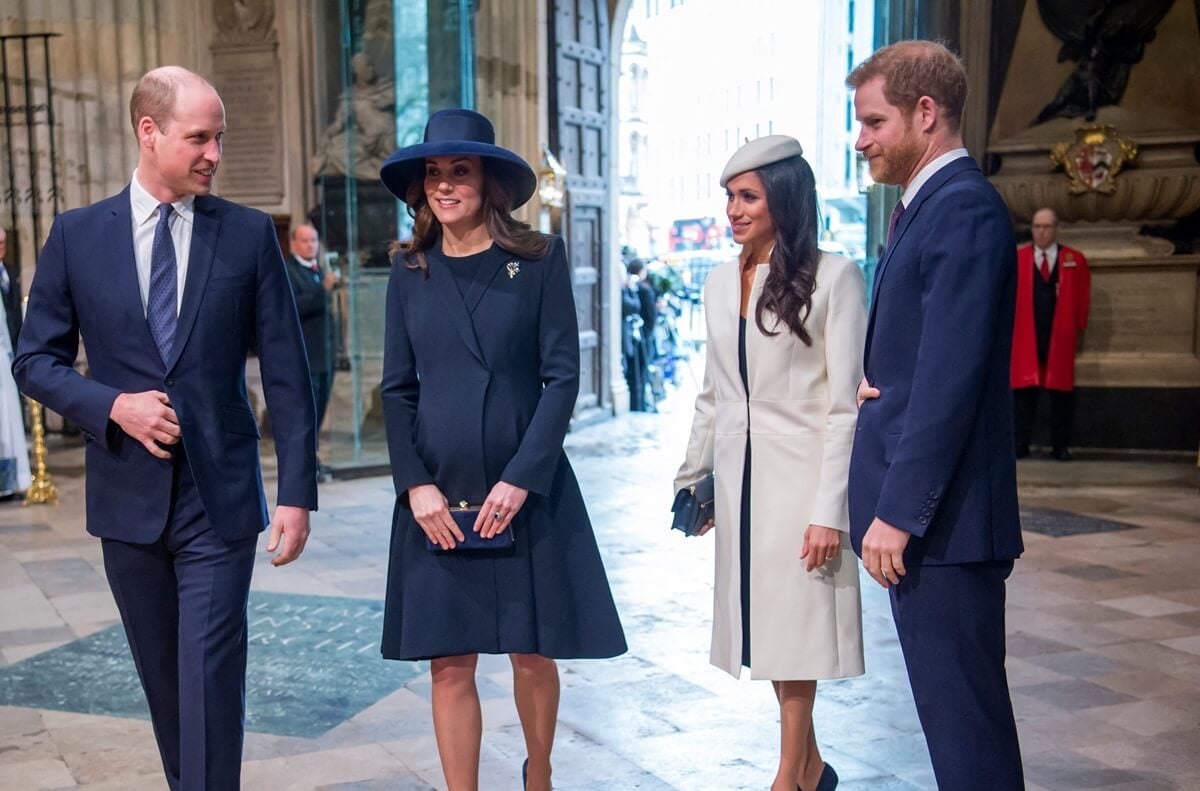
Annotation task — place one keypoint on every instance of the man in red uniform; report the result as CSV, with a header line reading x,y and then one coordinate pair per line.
x,y
1053,288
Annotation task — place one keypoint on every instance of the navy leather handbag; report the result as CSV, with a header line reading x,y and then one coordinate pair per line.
x,y
464,516
693,506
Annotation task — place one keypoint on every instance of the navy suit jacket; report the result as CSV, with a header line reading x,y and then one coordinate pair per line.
x,y
933,455
236,298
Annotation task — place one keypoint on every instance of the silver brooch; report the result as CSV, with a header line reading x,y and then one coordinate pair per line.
x,y
513,268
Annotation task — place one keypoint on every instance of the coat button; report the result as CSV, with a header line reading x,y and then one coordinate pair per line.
x,y
170,383
923,520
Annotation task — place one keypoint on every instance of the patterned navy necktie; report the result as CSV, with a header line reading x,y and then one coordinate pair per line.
x,y
162,303
897,213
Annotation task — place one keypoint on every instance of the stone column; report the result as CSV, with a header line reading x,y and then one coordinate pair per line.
x,y
507,67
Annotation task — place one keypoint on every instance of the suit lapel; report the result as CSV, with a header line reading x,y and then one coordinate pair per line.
x,y
200,261
484,276
906,220
753,335
910,216
442,283
124,261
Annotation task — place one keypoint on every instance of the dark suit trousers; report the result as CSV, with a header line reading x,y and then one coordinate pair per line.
x,y
950,620
1062,415
183,601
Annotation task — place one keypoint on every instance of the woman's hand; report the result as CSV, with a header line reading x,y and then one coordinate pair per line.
x,y
866,392
432,512
821,544
706,527
501,505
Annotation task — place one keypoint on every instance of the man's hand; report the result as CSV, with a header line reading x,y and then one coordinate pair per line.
x,y
430,508
148,418
329,281
883,552
821,545
866,392
501,506
290,526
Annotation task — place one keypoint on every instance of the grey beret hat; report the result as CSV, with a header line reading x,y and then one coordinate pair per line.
x,y
757,153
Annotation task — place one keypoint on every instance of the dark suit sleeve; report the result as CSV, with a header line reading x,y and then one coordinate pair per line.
x,y
49,343
400,390
536,461
309,301
286,383
965,265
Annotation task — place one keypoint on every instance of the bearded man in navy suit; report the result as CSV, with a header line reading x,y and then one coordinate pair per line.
x,y
933,493
170,289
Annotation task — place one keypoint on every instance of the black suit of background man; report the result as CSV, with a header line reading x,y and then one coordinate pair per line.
x,y
311,286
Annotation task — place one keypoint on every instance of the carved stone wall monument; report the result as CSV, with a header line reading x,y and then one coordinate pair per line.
x,y
1103,125
245,70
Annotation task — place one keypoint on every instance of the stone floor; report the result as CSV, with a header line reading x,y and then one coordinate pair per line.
x,y
1104,649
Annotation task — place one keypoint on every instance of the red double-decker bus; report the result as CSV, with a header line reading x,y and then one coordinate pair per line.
x,y
699,233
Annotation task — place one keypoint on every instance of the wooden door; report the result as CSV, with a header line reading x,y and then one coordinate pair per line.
x,y
579,107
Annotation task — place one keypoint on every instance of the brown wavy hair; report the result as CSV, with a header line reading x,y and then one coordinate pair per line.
x,y
792,203
511,235
912,69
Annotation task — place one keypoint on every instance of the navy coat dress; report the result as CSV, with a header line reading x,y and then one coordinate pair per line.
x,y
479,384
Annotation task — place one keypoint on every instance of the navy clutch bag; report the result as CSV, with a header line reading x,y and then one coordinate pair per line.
x,y
693,506
464,516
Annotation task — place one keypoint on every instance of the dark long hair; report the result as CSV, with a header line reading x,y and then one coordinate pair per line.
x,y
791,191
511,235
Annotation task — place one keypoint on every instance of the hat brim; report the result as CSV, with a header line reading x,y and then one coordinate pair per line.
x,y
402,167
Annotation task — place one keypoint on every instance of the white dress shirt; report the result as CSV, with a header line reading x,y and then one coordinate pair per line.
x,y
1051,256
926,173
145,217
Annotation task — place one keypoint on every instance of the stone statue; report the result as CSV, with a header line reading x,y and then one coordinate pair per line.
x,y
1105,38
367,133
244,21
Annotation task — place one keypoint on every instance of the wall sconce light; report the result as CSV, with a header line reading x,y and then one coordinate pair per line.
x,y
551,181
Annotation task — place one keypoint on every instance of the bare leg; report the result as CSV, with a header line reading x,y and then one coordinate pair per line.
x,y
535,687
800,761
457,721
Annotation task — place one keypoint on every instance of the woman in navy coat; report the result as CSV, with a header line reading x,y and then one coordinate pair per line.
x,y
480,376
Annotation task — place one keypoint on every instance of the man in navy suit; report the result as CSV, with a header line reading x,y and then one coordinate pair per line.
x,y
933,493
170,288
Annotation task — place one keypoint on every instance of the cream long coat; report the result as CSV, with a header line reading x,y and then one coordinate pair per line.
x,y
800,415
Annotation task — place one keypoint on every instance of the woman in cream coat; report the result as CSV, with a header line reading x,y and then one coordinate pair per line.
x,y
775,421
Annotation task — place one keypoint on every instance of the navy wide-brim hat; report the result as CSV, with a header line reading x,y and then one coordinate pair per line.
x,y
464,133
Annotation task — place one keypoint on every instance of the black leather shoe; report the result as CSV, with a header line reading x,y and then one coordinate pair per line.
x,y
1062,454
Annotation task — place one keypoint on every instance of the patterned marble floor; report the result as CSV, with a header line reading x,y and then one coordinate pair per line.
x,y
1104,650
